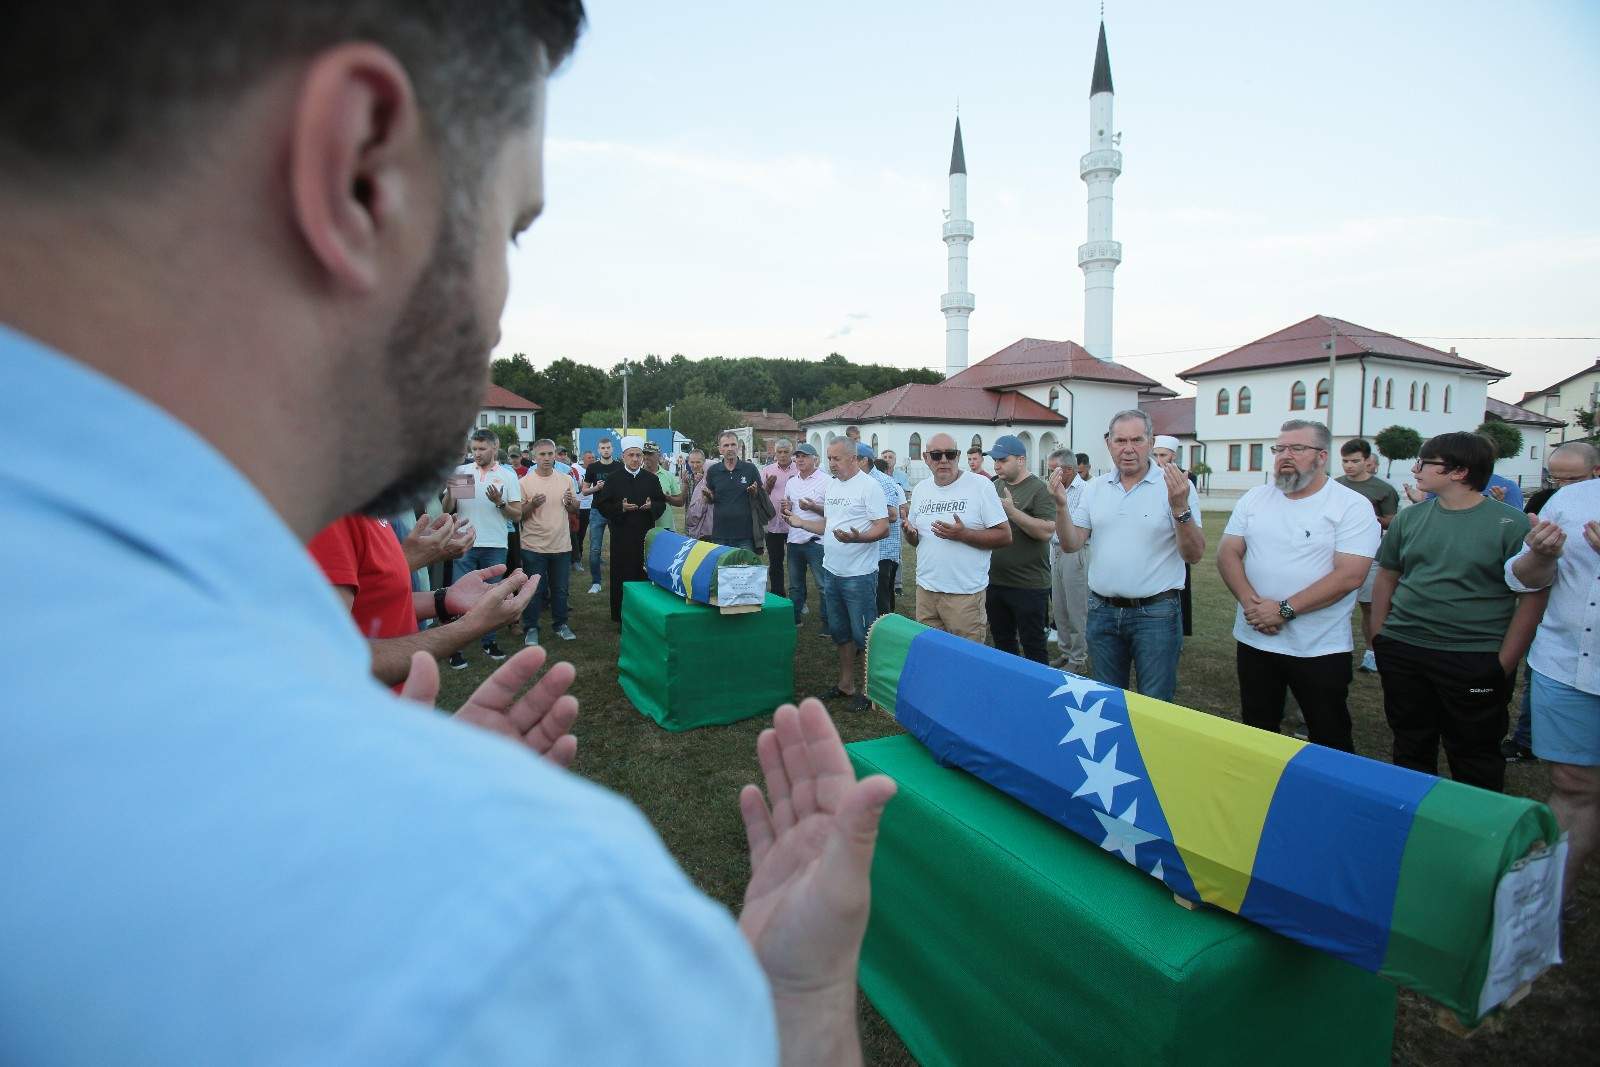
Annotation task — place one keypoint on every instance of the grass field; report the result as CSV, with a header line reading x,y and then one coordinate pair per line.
x,y
687,785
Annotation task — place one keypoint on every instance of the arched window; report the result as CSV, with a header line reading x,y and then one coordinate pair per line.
x,y
1244,400
1376,394
977,440
1222,402
1424,396
1322,393
1297,396
1055,399
874,442
816,441
914,449
832,437
1413,400
1388,393
1447,400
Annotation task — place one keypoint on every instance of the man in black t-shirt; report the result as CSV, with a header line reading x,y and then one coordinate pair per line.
x,y
595,475
729,485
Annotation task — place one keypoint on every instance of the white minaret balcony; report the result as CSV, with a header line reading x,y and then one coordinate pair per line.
x,y
1104,162
959,303
1099,254
958,229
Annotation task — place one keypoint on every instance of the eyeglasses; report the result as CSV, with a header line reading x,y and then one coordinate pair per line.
x,y
1419,464
1570,479
1299,450
938,455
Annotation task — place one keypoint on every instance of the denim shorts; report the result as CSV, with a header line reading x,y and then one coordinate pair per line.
x,y
1566,722
851,605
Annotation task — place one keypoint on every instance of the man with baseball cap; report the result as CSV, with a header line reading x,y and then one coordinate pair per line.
x,y
631,501
1018,601
804,493
671,487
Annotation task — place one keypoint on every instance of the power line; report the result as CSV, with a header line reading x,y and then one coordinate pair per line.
x,y
1353,335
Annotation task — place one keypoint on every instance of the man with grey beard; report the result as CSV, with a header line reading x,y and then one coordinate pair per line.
x,y
1293,554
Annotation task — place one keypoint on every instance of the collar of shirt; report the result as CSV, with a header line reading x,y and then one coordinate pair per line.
x,y
189,507
1152,473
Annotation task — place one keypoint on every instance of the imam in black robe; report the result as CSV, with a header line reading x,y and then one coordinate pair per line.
x,y
628,527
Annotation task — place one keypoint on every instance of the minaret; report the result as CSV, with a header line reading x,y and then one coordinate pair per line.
x,y
1100,166
957,303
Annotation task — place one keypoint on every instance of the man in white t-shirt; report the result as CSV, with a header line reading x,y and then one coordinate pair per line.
x,y
955,520
1294,554
805,492
485,492
855,516
1145,521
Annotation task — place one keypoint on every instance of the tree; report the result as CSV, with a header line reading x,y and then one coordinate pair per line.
x,y
1398,442
1506,437
701,417
605,417
507,434
1586,418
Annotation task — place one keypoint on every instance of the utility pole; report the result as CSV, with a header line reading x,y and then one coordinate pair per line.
x,y
624,394
672,439
1333,341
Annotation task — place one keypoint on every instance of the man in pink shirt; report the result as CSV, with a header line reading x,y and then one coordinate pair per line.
x,y
775,476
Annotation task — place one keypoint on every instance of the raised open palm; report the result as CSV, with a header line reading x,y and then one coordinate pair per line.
x,y
540,718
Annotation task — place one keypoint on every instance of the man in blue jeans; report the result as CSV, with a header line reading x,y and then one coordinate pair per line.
x,y
1145,521
595,475
548,497
805,492
487,493
854,518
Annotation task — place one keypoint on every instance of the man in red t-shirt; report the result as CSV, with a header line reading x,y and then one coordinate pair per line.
x,y
364,561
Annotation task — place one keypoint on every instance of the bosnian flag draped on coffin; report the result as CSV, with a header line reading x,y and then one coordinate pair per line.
x,y
1395,871
688,567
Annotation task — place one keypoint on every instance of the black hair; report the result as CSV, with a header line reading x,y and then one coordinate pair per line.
x,y
1356,445
1082,457
1462,451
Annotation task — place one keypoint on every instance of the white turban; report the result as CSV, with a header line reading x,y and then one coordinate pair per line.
x,y
632,442
1162,441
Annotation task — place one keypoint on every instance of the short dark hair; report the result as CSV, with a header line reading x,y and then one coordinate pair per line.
x,y
1356,446
483,433
1082,457
1461,451
974,451
89,82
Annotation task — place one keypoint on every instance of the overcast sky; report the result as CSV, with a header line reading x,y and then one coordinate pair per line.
x,y
738,178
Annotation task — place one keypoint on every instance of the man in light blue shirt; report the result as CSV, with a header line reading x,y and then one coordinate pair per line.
x,y
241,243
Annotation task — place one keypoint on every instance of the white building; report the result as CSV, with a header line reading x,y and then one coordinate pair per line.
x,y
1563,401
1049,394
1175,418
503,407
1527,467
1380,380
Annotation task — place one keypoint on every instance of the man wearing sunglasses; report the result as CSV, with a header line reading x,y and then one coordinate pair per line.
x,y
1294,554
955,521
1449,633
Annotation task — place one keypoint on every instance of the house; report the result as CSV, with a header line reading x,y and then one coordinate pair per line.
x,y
1049,394
1175,418
1526,468
1562,402
1379,380
503,407
767,427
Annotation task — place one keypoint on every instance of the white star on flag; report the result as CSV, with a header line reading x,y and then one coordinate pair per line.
x,y
1087,725
1102,778
1078,686
1121,834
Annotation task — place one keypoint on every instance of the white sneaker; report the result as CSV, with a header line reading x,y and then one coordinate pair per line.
x,y
1050,638
1369,662
565,633
595,588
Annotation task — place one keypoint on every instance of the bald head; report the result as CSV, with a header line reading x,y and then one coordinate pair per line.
x,y
1575,461
942,457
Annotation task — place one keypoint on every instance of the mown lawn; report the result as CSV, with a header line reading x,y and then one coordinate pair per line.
x,y
687,785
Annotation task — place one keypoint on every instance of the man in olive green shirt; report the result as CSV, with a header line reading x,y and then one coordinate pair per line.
x,y
1449,633
1018,597
1356,457
671,487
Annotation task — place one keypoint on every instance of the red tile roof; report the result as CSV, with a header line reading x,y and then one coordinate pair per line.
x,y
1031,361
769,421
1303,343
942,403
1499,409
1173,417
504,399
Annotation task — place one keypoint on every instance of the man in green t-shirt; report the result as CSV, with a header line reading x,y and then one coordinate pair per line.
x,y
1449,633
1356,457
1018,598
671,487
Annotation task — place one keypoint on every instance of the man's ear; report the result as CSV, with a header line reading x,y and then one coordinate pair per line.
x,y
359,168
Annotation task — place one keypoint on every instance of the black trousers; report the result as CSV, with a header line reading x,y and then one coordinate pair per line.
x,y
513,550
1017,616
577,538
1458,698
887,569
777,550
1320,684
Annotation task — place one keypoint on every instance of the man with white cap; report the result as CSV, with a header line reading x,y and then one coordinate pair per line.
x,y
631,501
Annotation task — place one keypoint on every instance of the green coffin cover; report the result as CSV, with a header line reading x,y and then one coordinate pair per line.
x,y
687,665
998,937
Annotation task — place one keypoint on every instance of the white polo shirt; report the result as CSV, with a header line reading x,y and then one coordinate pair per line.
x,y
1135,535
1566,647
851,505
1290,544
488,522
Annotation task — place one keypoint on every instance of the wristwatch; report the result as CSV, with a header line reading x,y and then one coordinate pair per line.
x,y
1285,612
1188,513
440,612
